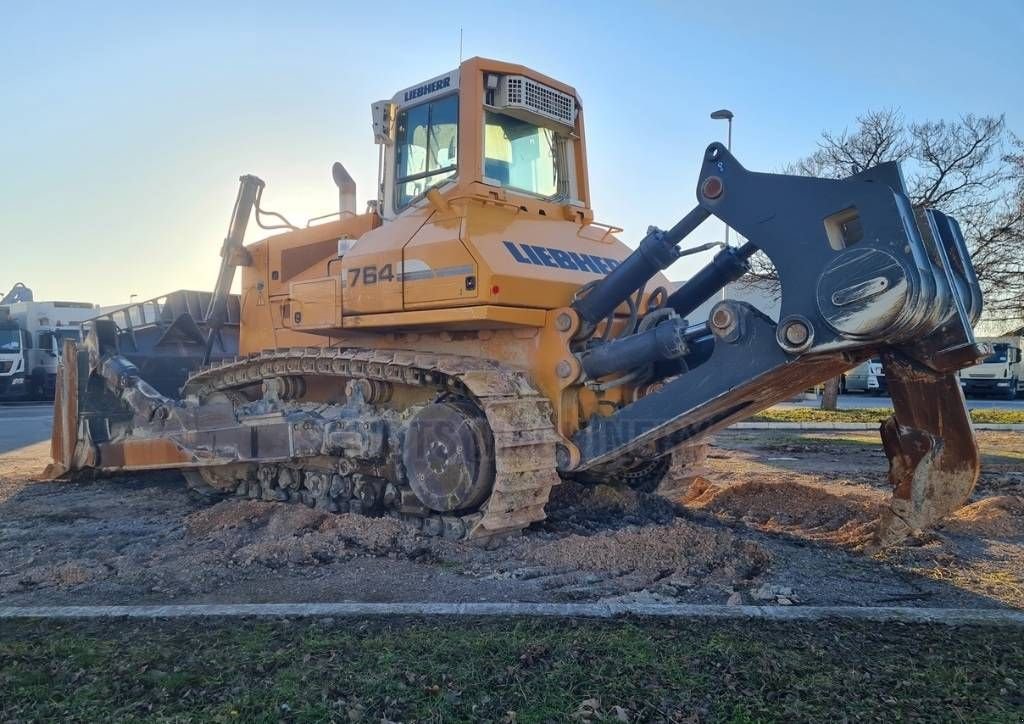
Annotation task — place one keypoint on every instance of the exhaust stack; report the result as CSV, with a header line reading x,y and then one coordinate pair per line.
x,y
346,189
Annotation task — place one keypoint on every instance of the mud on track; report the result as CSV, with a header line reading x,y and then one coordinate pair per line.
x,y
783,519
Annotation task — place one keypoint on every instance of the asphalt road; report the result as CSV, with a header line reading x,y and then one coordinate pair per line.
x,y
24,424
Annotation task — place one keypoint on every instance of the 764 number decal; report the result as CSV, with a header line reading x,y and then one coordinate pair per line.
x,y
370,275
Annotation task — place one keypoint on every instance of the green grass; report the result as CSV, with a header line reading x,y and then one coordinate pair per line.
x,y
868,414
507,670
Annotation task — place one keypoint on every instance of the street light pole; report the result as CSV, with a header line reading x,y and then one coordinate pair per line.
x,y
724,114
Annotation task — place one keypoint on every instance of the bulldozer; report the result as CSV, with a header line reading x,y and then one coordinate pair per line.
x,y
476,335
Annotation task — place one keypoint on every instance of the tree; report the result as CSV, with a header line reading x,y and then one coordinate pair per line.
x,y
960,167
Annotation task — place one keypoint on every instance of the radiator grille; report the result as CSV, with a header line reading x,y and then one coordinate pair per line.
x,y
521,92
5,366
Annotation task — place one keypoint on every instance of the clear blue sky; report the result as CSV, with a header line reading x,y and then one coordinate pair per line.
x,y
124,128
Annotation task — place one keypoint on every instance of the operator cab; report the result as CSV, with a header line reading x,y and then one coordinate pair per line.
x,y
485,126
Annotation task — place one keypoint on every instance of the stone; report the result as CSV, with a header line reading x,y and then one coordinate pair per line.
x,y
764,593
735,599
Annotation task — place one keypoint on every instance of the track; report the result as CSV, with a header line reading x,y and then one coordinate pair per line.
x,y
518,415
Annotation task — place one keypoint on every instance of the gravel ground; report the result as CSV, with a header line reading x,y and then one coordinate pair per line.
x,y
782,520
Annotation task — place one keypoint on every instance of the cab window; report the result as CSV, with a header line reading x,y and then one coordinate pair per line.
x,y
46,342
521,155
427,139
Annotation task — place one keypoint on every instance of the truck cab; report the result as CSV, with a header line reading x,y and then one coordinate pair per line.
x,y
13,343
1001,373
31,337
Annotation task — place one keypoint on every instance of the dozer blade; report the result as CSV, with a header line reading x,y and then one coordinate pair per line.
x,y
930,443
64,436
98,395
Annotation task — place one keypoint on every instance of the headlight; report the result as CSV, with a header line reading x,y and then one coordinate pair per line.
x,y
18,381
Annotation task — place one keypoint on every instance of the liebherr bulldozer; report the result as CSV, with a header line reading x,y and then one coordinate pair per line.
x,y
477,336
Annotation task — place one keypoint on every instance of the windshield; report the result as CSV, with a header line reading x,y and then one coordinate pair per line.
x,y
427,147
998,355
520,155
10,340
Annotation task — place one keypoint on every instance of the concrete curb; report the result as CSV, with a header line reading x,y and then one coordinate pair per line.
x,y
945,616
823,426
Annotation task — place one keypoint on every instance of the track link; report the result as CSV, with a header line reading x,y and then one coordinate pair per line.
x,y
520,417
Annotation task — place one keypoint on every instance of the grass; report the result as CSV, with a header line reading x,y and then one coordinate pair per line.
x,y
507,670
869,414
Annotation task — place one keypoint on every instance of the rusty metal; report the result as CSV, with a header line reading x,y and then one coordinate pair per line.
x,y
933,455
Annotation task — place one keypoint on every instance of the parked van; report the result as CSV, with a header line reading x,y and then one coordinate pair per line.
x,y
868,376
1001,373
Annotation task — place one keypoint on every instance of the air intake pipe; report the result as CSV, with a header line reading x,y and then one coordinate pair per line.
x,y
346,189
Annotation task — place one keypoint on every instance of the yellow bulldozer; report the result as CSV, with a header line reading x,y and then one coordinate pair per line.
x,y
476,336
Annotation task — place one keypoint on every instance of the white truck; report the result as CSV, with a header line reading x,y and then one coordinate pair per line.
x,y
1001,373
868,376
31,338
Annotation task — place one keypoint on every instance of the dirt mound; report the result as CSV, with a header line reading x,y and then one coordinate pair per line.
x,y
680,548
588,508
998,517
802,510
73,573
274,534
228,515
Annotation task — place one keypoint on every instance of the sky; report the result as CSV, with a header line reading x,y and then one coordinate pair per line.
x,y
124,127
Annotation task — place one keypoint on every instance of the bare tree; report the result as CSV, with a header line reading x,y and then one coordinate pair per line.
x,y
960,167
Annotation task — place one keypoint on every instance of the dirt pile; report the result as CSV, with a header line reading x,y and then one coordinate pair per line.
x,y
812,512
678,549
591,508
275,535
1001,517
60,575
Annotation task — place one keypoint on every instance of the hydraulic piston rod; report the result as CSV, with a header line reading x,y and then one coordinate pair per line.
x,y
657,250
728,265
249,188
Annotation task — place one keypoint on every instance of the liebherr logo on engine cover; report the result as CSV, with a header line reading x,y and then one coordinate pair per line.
x,y
546,256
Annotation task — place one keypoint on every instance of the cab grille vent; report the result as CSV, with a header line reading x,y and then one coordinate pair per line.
x,y
520,92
